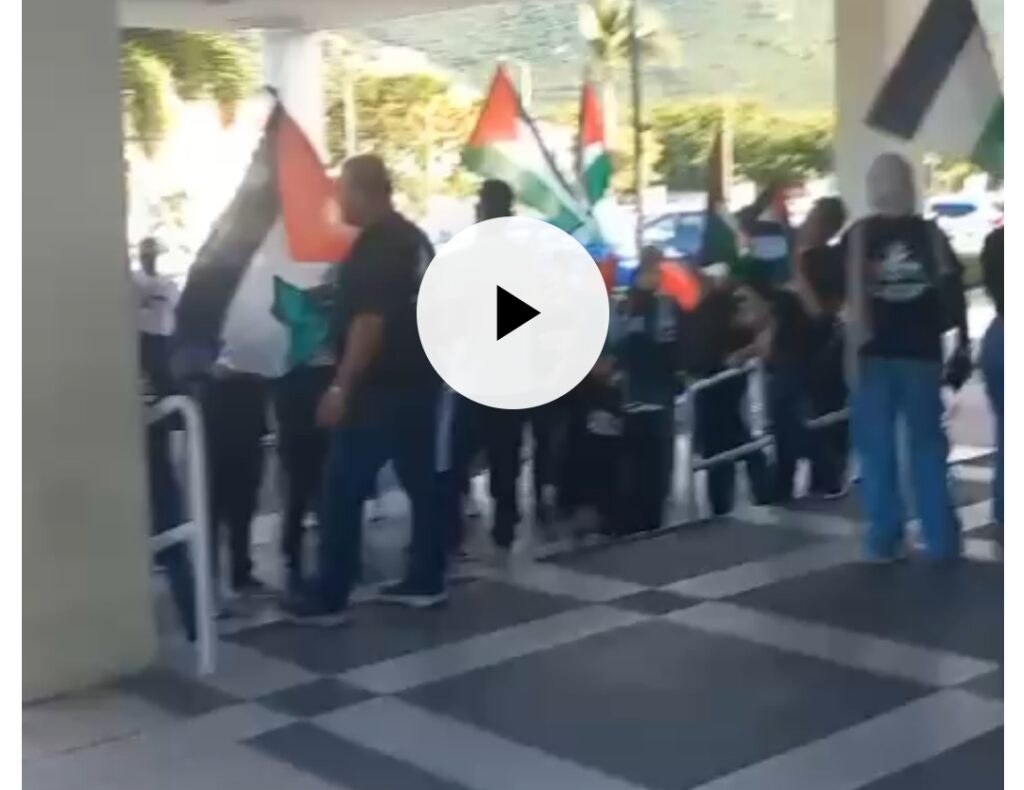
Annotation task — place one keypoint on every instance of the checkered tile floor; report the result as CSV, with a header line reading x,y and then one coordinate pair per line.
x,y
752,653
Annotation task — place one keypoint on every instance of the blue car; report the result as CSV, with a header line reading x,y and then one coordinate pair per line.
x,y
677,233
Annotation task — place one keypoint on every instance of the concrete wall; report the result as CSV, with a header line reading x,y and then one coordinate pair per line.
x,y
87,607
870,35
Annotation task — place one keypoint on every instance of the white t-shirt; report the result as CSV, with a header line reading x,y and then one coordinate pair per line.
x,y
157,297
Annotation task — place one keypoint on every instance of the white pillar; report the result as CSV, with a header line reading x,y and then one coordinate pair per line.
x,y
870,35
293,64
87,605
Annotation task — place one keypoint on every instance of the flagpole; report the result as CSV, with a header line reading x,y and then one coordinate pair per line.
x,y
638,146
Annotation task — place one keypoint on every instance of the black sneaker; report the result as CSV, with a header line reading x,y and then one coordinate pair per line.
x,y
835,493
253,588
305,610
405,594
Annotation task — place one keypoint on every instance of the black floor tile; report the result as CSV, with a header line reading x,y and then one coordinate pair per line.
x,y
662,705
335,760
965,492
176,693
687,552
975,765
990,685
957,609
382,632
985,461
314,698
988,532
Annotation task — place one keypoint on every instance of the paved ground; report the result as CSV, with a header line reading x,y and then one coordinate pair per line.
x,y
749,653
752,652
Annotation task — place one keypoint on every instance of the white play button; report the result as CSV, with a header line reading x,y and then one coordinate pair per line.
x,y
512,313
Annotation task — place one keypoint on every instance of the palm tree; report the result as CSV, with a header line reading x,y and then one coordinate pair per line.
x,y
157,63
607,29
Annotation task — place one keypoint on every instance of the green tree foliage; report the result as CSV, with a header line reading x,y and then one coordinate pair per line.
x,y
411,120
768,144
194,65
948,174
606,27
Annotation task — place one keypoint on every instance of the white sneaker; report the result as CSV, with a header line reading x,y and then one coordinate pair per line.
x,y
403,594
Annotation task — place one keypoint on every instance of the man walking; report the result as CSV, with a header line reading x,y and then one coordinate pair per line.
x,y
381,404
157,297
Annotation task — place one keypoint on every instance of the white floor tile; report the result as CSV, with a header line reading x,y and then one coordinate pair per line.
x,y
849,648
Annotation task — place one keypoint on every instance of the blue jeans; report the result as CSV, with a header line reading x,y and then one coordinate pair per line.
x,y
992,370
405,435
889,389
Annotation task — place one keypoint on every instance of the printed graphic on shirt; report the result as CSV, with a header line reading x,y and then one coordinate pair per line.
x,y
900,275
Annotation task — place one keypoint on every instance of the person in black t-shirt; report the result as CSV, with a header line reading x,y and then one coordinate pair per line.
x,y
819,282
991,359
783,343
768,235
649,358
803,360
719,335
166,507
499,432
904,291
382,403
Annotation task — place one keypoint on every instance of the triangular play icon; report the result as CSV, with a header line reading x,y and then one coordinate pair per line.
x,y
513,312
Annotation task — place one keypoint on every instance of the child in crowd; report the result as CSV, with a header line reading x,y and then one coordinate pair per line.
x,y
720,330
648,357
819,281
589,489
803,342
798,336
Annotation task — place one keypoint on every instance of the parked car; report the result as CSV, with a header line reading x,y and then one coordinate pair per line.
x,y
678,233
966,218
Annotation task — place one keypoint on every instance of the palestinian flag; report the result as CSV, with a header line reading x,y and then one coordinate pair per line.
x,y
254,298
505,144
719,244
943,93
595,165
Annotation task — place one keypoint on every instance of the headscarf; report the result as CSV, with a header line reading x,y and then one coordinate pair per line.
x,y
890,186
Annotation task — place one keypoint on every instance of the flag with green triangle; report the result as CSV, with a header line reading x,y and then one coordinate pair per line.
x,y
595,165
505,144
247,301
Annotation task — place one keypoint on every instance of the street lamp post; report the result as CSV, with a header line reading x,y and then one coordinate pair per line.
x,y
638,145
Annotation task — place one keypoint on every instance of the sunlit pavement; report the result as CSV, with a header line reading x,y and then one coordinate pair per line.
x,y
748,653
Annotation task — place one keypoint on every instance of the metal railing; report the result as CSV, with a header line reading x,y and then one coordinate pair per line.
x,y
762,438
195,534
693,463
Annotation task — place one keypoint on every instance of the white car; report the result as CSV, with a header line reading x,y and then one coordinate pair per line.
x,y
966,218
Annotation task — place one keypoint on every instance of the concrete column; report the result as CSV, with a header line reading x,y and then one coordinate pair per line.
x,y
293,64
870,35
87,605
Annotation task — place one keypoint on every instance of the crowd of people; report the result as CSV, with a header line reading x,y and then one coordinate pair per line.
x,y
838,314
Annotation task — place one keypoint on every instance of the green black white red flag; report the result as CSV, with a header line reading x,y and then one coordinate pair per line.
x,y
505,145
943,92
253,298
